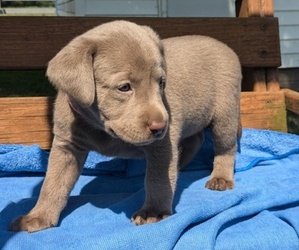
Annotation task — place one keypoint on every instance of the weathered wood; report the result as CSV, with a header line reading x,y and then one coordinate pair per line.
x,y
26,120
262,78
254,8
264,110
272,79
29,121
259,79
292,100
30,42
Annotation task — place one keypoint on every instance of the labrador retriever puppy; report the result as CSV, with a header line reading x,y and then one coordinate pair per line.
x,y
123,92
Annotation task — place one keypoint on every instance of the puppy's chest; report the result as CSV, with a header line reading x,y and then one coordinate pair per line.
x,y
109,146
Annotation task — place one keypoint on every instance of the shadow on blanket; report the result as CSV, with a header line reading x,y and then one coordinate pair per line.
x,y
260,213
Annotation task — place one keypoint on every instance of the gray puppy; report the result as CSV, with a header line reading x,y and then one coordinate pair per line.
x,y
123,92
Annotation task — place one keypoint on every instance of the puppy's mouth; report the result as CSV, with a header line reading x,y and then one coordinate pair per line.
x,y
112,133
137,138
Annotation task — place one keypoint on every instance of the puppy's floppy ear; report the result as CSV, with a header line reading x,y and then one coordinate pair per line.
x,y
154,36
71,70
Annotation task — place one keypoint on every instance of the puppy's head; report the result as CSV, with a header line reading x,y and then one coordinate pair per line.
x,y
117,70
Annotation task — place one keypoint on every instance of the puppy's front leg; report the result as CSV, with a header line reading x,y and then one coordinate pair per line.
x,y
160,183
65,165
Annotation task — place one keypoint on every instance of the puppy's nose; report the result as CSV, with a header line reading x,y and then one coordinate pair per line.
x,y
157,128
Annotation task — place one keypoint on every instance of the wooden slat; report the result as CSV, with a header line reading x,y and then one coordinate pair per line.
x,y
30,42
256,8
259,79
292,100
28,120
263,78
272,79
41,138
264,110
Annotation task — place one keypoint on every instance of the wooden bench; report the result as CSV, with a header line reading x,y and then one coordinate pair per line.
x,y
28,43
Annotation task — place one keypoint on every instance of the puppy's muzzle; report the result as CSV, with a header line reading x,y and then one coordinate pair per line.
x,y
158,129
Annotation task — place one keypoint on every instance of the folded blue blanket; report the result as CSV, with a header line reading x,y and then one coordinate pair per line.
x,y
260,213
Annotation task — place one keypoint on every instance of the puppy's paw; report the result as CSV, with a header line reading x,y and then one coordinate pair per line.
x,y
145,216
30,223
220,184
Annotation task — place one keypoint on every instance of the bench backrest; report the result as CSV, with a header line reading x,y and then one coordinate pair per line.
x,y
28,43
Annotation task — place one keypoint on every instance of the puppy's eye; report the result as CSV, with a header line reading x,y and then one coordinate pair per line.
x,y
124,87
162,83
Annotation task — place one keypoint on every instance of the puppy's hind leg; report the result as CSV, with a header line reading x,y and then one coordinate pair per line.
x,y
189,147
65,165
225,147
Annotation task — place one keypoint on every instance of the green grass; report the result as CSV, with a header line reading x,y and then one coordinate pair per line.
x,y
25,83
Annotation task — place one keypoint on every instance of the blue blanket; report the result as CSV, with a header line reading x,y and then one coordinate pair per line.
x,y
262,212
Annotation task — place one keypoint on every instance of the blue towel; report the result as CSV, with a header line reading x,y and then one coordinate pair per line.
x,y
262,212
34,159
259,146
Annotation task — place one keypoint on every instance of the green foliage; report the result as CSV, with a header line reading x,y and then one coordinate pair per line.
x,y
25,83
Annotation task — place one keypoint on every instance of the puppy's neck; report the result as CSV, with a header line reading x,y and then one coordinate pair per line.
x,y
74,106
89,115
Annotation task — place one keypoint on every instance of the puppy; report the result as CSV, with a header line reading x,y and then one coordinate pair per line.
x,y
123,92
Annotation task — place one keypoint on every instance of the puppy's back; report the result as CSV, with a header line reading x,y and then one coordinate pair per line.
x,y
203,54
204,74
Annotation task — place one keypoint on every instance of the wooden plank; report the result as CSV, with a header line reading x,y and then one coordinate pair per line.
x,y
255,8
41,138
34,106
292,100
253,78
263,78
272,79
28,120
259,79
30,42
263,110
24,124
247,9
272,75
267,7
